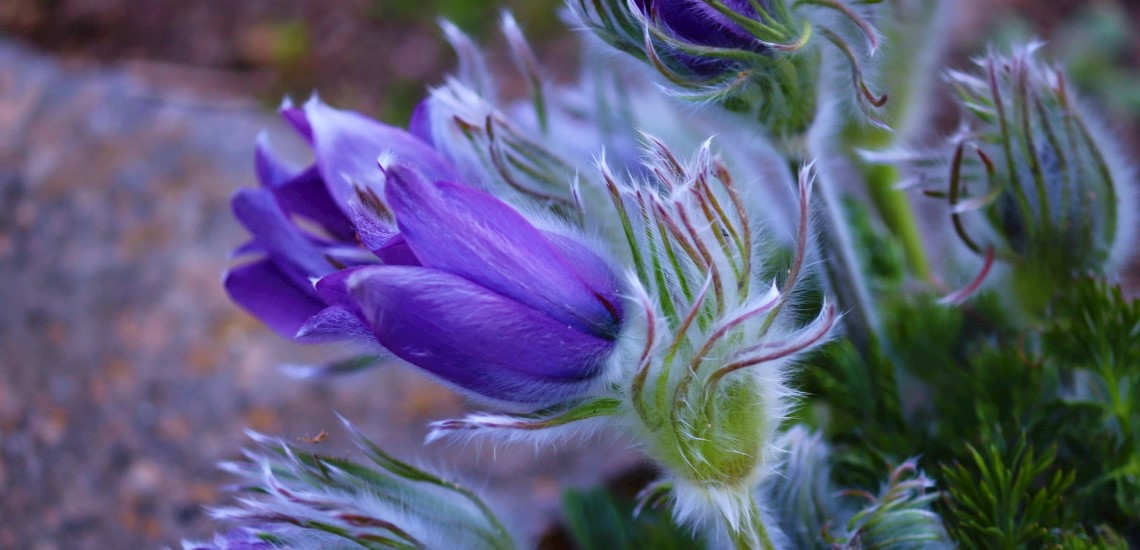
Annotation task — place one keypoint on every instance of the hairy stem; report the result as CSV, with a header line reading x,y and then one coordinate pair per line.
x,y
752,534
897,214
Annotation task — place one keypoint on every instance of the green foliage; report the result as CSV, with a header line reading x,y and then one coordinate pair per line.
x,y
597,519
1103,538
869,431
882,255
1096,46
1005,497
1094,341
855,395
946,383
1097,329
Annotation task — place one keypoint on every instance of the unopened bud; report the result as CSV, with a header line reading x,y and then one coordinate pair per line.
x,y
1036,167
763,58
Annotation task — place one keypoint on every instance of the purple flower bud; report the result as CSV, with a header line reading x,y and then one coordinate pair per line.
x,y
697,22
492,305
443,275
758,57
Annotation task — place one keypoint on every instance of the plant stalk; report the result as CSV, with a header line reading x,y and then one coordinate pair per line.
x,y
753,534
896,212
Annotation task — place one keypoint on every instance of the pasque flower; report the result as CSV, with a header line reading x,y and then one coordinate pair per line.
x,y
1031,179
440,274
1046,179
702,23
763,58
708,390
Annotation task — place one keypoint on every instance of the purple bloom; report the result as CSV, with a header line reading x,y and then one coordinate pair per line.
x,y
699,23
484,299
332,196
443,275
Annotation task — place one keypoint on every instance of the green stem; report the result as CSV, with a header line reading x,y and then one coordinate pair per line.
x,y
753,534
1121,409
897,214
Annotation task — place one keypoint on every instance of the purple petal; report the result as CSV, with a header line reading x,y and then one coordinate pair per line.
x,y
594,272
347,145
269,294
397,251
472,234
333,324
272,172
474,338
300,192
381,238
342,319
307,195
373,232
420,124
274,233
333,288
296,117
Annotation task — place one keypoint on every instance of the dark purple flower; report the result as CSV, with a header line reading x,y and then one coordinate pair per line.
x,y
694,23
699,23
484,299
442,275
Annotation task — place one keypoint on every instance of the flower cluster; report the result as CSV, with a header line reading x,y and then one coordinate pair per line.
x,y
460,247
589,258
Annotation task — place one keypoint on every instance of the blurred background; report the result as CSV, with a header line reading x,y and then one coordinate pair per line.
x,y
125,125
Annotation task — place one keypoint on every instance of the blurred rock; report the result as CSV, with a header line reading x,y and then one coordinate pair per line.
x,y
378,55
